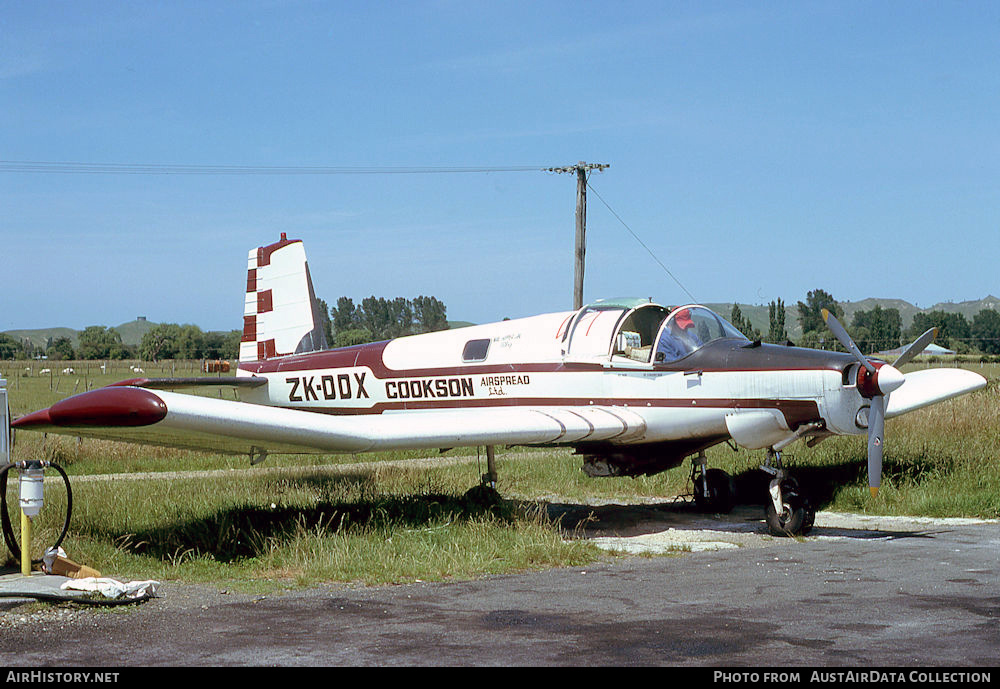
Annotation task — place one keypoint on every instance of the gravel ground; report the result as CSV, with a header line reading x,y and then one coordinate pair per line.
x,y
650,527
859,592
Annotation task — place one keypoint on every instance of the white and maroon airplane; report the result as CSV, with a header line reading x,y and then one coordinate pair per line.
x,y
634,387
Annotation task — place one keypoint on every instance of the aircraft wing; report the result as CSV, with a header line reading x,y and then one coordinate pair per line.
x,y
929,386
179,420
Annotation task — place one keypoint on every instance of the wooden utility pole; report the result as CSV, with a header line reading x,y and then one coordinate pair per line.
x,y
581,169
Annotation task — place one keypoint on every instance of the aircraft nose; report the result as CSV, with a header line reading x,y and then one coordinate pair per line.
x,y
889,379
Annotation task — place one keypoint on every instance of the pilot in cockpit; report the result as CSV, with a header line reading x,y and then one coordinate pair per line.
x,y
678,337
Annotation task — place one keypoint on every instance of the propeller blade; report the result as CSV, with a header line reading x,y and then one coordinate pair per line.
x,y
876,438
919,345
838,330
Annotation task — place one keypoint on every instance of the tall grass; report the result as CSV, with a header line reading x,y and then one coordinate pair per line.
x,y
298,526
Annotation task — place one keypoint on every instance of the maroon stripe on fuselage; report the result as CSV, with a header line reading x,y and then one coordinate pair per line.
x,y
796,412
717,357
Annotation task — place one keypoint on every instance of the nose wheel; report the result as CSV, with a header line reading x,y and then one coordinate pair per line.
x,y
788,512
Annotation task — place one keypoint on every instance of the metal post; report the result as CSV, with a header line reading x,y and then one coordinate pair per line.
x,y
31,479
25,544
491,466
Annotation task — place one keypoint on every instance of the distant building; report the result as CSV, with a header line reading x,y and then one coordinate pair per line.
x,y
931,350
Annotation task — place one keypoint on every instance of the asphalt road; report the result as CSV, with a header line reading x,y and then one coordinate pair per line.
x,y
858,593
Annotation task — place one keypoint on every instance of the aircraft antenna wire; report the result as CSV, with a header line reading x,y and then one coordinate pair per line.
x,y
642,243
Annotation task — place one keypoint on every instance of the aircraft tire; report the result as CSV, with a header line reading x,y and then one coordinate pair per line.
x,y
721,496
482,497
797,517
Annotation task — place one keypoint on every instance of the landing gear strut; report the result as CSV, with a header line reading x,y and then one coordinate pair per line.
x,y
486,494
788,511
714,490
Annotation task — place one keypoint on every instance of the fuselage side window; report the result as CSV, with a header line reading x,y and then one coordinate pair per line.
x,y
637,334
475,350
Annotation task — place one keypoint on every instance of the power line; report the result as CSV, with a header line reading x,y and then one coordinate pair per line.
x,y
643,244
68,167
82,168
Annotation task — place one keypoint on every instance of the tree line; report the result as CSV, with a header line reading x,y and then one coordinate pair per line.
x,y
378,318
374,319
877,329
163,341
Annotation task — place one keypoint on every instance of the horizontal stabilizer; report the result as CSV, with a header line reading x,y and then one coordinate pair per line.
x,y
190,383
929,386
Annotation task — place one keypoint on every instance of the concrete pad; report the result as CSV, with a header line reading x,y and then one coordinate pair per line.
x,y
665,542
37,586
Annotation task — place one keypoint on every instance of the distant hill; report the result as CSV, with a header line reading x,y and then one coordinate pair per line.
x,y
760,317
40,337
133,331
130,332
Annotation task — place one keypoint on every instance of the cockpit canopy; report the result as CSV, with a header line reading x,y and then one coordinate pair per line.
x,y
689,327
641,331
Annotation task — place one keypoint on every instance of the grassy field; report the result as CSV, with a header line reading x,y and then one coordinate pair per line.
x,y
366,518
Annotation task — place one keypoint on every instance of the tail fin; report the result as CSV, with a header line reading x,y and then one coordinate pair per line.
x,y
280,316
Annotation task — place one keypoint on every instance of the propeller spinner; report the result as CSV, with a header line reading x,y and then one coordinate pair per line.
x,y
875,383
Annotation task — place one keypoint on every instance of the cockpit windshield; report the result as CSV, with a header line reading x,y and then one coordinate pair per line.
x,y
686,329
652,334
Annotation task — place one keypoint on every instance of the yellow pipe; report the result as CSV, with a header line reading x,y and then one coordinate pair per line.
x,y
25,544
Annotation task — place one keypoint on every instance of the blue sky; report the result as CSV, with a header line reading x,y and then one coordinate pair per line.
x,y
758,149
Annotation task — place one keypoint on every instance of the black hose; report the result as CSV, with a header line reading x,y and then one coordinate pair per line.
x,y
8,534
8,529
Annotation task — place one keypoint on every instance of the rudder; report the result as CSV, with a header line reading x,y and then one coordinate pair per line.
x,y
280,315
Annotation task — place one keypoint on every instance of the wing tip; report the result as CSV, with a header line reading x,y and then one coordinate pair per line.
x,y
107,407
37,419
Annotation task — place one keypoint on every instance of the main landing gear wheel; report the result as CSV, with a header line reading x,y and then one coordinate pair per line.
x,y
796,516
485,495
714,491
